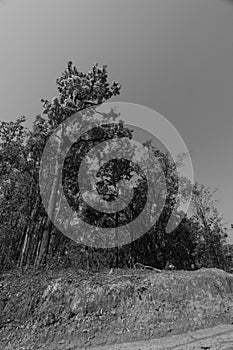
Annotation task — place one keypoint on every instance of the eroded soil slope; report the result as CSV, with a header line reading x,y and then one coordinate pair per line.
x,y
53,308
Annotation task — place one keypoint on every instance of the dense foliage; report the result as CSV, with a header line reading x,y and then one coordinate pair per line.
x,y
27,235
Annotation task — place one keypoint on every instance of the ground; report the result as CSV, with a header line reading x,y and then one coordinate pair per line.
x,y
70,309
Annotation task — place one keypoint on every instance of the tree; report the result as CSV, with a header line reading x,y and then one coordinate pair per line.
x,y
184,244
14,187
76,92
211,233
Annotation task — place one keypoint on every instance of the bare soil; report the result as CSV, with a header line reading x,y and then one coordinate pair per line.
x,y
70,309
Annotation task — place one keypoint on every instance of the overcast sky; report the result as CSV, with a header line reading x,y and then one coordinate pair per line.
x,y
174,56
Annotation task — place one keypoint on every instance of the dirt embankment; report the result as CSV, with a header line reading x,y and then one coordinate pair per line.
x,y
55,309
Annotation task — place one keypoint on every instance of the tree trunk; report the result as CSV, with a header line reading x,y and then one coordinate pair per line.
x,y
44,246
38,239
27,236
24,249
45,240
116,242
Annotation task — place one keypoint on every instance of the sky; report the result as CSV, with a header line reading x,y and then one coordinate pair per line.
x,y
174,56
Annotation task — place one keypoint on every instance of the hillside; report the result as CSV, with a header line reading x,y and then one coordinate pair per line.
x,y
60,309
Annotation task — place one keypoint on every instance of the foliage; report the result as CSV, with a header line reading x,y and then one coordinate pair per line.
x,y
211,232
27,235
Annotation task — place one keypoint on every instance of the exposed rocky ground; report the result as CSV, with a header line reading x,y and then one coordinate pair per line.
x,y
53,309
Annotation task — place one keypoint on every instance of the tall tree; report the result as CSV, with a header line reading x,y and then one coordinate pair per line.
x,y
76,92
